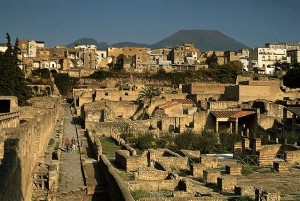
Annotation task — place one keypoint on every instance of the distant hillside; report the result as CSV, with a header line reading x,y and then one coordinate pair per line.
x,y
89,41
129,44
203,39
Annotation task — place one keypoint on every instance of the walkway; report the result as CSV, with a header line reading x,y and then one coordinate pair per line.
x,y
71,177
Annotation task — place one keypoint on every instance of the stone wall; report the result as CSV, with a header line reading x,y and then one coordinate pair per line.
x,y
267,154
292,157
131,163
221,105
153,185
24,149
150,173
170,159
117,188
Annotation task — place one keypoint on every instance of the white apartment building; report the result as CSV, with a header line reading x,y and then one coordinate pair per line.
x,y
294,55
3,47
264,59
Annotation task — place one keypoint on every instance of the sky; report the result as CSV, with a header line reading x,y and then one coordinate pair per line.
x,y
60,22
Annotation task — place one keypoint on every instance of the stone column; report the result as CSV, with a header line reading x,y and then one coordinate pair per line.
x,y
236,126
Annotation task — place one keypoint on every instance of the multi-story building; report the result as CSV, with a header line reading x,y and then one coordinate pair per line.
x,y
130,57
3,47
294,55
86,56
263,59
186,53
160,57
287,46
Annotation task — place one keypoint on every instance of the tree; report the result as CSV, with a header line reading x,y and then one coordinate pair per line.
x,y
12,80
63,82
213,59
292,77
148,93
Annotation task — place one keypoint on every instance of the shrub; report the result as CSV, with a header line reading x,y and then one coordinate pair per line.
x,y
246,170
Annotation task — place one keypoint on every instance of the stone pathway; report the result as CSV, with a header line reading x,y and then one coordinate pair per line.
x,y
72,181
70,175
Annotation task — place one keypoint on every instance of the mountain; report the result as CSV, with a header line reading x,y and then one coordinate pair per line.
x,y
202,39
89,41
130,44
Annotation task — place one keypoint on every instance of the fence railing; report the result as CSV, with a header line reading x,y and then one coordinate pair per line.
x,y
247,159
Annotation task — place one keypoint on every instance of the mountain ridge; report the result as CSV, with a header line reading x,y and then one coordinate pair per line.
x,y
202,39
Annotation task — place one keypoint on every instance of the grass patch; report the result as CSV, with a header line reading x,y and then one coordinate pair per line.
x,y
51,142
246,170
109,147
139,194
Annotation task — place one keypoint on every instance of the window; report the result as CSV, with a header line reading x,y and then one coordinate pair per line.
x,y
106,93
126,93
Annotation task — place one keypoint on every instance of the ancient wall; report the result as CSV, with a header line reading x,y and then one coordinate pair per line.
x,y
170,159
292,157
176,124
24,148
151,174
117,189
153,185
131,163
116,95
200,120
221,105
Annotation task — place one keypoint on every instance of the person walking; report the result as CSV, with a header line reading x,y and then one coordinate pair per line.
x,y
73,144
67,144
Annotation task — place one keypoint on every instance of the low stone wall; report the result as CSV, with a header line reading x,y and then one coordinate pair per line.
x,y
226,183
233,169
153,185
210,176
131,163
24,147
209,161
170,159
117,189
196,169
292,157
267,154
151,174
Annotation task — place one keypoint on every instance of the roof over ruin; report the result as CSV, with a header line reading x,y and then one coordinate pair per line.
x,y
231,114
295,110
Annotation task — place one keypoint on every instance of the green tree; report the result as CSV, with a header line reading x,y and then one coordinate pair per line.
x,y
148,93
292,77
12,80
186,140
64,83
213,59
145,141
207,141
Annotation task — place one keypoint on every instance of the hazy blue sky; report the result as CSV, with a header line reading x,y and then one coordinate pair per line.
x,y
59,22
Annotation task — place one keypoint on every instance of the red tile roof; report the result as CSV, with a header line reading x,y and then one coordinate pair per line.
x,y
184,101
231,114
168,104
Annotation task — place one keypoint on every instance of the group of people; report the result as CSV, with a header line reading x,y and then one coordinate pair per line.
x,y
70,144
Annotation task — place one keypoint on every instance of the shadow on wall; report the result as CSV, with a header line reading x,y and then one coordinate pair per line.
x,y
10,172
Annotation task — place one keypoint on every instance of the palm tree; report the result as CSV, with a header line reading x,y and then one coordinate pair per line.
x,y
148,93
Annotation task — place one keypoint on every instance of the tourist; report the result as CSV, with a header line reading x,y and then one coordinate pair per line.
x,y
73,144
67,144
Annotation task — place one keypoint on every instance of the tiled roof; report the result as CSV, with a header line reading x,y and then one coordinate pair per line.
x,y
294,110
231,114
168,104
184,101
